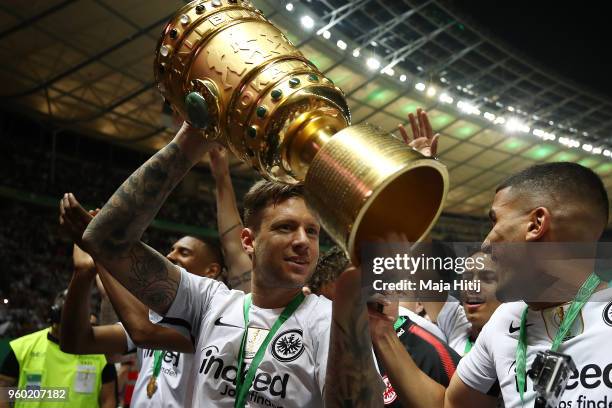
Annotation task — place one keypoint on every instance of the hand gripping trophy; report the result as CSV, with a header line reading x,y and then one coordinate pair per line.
x,y
226,69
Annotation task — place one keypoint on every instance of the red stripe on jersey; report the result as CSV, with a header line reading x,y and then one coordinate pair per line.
x,y
445,357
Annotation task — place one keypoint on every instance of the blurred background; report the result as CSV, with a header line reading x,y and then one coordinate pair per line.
x,y
506,86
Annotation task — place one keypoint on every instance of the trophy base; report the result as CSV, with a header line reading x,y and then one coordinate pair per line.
x,y
365,184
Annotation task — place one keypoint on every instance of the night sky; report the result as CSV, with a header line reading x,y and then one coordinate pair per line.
x,y
572,38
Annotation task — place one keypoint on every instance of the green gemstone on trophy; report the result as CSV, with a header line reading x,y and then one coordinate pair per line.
x,y
293,82
313,78
197,110
261,111
252,131
276,94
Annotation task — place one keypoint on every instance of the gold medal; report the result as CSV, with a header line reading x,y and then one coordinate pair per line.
x,y
151,387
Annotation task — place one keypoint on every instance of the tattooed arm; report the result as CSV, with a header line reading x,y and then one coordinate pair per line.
x,y
113,237
351,379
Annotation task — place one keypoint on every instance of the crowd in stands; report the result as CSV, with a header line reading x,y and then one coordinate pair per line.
x,y
37,259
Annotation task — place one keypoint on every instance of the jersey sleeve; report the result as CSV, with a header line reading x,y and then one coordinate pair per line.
x,y
433,356
192,301
477,368
130,346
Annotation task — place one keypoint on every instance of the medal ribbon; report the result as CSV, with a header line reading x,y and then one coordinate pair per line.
x,y
584,293
243,383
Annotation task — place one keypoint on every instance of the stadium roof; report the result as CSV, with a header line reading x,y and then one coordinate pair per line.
x,y
87,66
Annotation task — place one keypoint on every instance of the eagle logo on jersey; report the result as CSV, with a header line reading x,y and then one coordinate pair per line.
x,y
607,314
288,345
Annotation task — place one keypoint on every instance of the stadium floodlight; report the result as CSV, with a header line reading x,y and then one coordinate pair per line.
x,y
587,147
289,6
510,108
373,63
431,91
307,22
388,71
446,98
597,150
468,108
569,142
543,134
607,153
326,35
341,44
356,52
403,78
515,125
5,301
419,86
489,116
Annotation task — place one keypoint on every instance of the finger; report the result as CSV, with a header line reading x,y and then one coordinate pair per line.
x,y
404,134
428,129
62,211
434,145
66,204
422,132
414,126
73,201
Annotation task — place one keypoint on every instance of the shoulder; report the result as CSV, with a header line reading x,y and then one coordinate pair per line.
x,y
507,311
318,305
505,315
30,338
315,313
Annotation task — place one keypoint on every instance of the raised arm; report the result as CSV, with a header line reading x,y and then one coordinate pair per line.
x,y
351,379
113,237
77,335
229,223
133,314
135,318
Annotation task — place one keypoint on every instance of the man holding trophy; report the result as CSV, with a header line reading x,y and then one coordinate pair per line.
x,y
239,82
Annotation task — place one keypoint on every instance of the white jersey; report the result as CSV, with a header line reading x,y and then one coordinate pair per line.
x,y
422,322
454,324
493,358
292,371
173,378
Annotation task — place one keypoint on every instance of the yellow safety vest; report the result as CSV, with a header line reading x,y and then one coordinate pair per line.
x,y
43,365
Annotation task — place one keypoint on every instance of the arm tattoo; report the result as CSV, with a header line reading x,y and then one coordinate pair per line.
x,y
355,381
114,234
149,278
240,279
224,233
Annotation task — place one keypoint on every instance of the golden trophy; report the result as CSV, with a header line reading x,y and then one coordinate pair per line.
x,y
226,69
